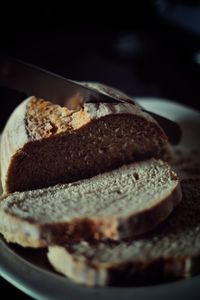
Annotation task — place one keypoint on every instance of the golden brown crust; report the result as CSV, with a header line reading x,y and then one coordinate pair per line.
x,y
45,119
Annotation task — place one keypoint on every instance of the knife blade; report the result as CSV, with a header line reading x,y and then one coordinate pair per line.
x,y
38,82
35,81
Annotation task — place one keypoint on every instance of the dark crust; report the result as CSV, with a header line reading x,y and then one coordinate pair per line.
x,y
75,231
157,271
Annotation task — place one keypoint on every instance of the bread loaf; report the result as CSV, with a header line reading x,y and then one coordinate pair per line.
x,y
44,144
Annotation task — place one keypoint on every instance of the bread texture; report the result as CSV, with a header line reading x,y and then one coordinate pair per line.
x,y
44,144
115,205
171,251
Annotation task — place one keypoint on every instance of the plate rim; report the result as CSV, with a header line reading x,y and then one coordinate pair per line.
x,y
45,291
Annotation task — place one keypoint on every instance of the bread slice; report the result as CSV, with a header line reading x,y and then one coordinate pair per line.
x,y
124,202
44,144
170,251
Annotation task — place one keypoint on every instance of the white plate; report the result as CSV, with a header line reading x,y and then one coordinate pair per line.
x,y
29,270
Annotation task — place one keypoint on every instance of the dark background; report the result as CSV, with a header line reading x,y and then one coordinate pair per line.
x,y
151,48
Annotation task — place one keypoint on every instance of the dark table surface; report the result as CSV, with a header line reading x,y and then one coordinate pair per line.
x,y
142,55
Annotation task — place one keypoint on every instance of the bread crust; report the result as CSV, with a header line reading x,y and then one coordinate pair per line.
x,y
91,273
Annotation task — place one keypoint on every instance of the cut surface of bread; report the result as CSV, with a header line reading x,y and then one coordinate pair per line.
x,y
118,204
44,144
171,251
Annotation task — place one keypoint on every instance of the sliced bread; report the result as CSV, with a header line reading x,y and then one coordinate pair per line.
x,y
118,204
170,251
44,144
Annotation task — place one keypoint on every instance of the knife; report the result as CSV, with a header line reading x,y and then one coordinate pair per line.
x,y
38,82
